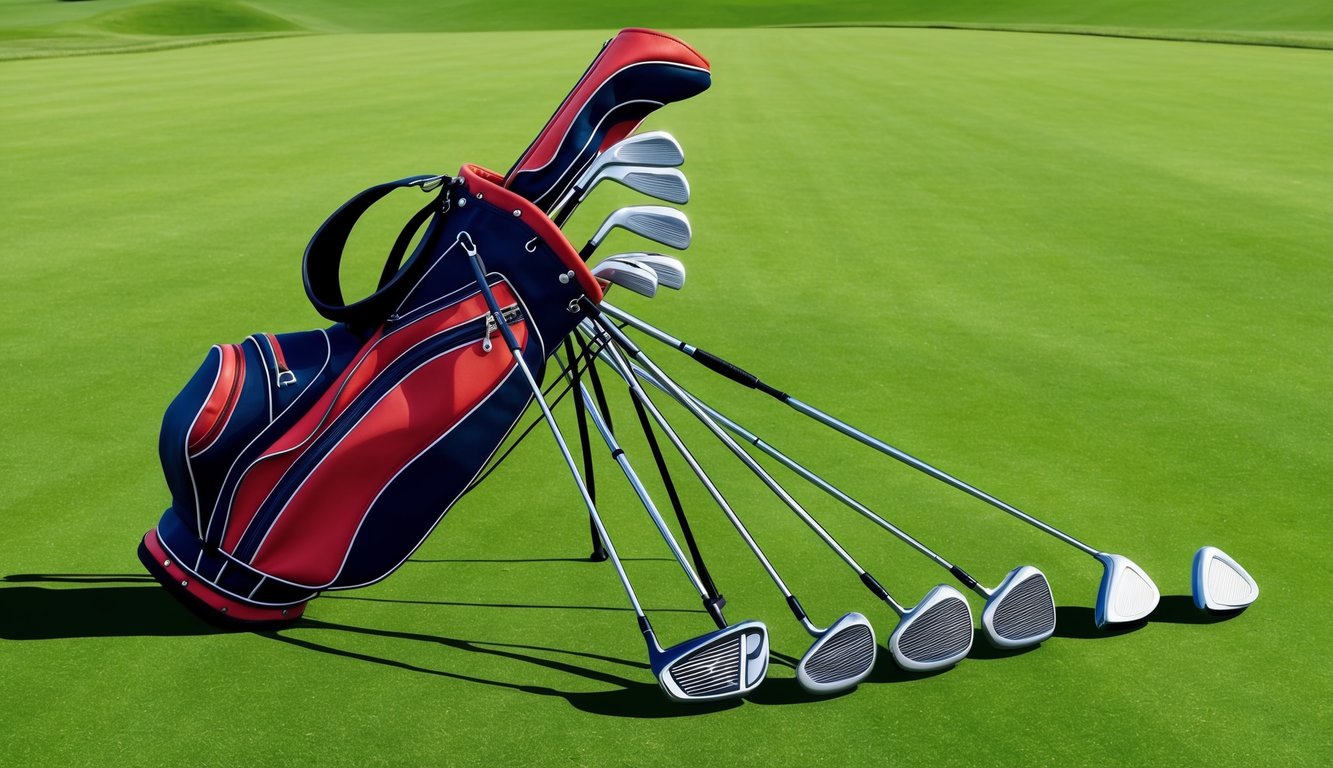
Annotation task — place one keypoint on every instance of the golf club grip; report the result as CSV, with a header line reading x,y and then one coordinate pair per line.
x,y
635,73
734,372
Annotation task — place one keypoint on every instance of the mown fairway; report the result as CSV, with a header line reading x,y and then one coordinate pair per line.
x,y
1090,275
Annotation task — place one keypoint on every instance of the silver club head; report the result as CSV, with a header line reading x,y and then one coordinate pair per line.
x,y
936,634
642,280
667,184
1021,611
1220,583
670,271
654,148
658,223
1126,593
842,656
723,664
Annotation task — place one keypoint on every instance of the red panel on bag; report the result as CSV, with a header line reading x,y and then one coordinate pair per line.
x,y
221,401
307,543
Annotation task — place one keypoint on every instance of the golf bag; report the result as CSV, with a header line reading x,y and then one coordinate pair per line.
x,y
318,460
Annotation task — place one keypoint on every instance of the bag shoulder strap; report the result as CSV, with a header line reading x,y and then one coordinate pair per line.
x,y
323,256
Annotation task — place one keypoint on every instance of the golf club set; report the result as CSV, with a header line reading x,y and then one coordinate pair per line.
x,y
320,460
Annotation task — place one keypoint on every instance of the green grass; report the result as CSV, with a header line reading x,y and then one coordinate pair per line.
x,y
43,28
1090,275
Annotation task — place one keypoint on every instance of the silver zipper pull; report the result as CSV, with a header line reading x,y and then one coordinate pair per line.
x,y
491,327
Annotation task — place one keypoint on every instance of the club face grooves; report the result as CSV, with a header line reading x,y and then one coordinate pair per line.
x,y
841,659
937,634
710,671
1021,612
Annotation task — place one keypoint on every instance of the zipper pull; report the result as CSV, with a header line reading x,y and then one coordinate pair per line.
x,y
491,327
283,374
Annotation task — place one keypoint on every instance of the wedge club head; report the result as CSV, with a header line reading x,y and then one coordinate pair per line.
x,y
842,656
1127,593
1220,583
1021,611
639,279
667,184
936,634
670,271
723,664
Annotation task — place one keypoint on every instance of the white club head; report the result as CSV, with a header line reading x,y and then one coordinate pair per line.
x,y
1220,583
639,279
670,271
658,149
936,634
842,656
659,223
1021,611
1127,593
723,664
667,184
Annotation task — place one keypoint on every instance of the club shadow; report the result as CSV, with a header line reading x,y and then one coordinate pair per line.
x,y
629,697
80,578
533,606
984,650
1180,609
1078,622
423,561
887,671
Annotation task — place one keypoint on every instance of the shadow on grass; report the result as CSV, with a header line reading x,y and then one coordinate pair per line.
x,y
619,609
1180,609
1080,623
421,561
983,649
42,613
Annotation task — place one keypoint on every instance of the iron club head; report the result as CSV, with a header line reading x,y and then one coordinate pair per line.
x,y
1126,594
936,634
1021,611
1220,583
642,280
670,271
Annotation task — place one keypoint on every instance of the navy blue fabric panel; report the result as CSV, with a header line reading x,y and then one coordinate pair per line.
x,y
176,431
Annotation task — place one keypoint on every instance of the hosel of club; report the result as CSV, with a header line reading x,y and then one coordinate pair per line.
x,y
618,454
745,378
479,271
832,490
610,354
625,343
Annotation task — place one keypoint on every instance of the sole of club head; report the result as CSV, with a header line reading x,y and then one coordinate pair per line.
x,y
1127,593
1220,583
851,641
1028,584
752,658
958,644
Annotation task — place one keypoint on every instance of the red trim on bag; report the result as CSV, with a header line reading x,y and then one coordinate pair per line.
x,y
225,606
487,182
221,401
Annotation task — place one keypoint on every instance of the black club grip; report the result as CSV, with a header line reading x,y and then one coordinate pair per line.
x,y
737,374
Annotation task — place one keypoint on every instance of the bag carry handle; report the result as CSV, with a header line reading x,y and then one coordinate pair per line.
x,y
323,256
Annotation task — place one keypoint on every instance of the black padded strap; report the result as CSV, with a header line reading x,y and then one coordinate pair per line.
x,y
323,256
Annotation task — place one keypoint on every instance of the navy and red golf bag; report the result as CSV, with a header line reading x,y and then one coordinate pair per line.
x,y
319,460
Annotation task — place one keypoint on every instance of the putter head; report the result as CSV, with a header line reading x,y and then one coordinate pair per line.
x,y
640,279
658,223
936,634
1021,611
1220,583
670,271
667,184
1127,593
842,656
723,664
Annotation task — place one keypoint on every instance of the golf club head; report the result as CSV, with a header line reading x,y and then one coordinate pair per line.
x,y
1220,583
656,148
1021,611
936,634
667,184
642,280
842,656
658,223
724,664
670,271
1127,593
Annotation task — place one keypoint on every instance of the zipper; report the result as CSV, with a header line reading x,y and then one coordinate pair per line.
x,y
283,374
390,377
510,314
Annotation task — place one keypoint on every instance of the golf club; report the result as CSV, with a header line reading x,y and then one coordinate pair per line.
x,y
654,149
658,223
722,664
1019,612
670,271
1220,583
1126,592
843,654
639,279
667,184
934,634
